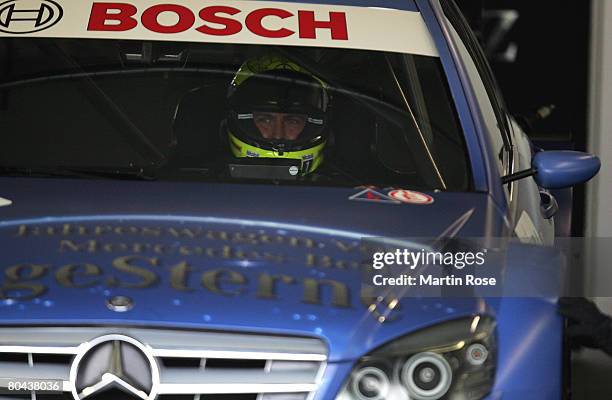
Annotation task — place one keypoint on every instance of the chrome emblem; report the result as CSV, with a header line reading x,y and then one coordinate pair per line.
x,y
114,363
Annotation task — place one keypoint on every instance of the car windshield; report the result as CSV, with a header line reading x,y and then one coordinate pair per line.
x,y
162,110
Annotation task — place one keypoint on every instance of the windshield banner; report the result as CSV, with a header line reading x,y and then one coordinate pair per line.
x,y
247,22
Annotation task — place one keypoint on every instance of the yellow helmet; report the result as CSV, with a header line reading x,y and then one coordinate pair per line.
x,y
274,86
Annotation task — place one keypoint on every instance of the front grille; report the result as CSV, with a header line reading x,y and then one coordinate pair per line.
x,y
192,365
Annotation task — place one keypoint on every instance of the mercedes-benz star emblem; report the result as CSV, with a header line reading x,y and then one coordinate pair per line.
x,y
114,363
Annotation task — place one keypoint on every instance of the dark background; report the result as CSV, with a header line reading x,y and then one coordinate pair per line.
x,y
541,58
544,59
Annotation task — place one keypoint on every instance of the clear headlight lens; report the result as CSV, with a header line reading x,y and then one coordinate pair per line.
x,y
450,361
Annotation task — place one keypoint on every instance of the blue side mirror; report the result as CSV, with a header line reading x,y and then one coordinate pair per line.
x,y
561,169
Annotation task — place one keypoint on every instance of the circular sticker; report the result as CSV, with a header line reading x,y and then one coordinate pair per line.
x,y
411,197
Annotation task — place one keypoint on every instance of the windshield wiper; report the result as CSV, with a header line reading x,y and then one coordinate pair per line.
x,y
127,173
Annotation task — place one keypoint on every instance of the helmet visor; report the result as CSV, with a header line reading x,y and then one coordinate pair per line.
x,y
281,110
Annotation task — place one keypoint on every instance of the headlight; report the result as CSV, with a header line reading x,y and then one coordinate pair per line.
x,y
451,361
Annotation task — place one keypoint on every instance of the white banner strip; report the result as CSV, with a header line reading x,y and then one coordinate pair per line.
x,y
245,22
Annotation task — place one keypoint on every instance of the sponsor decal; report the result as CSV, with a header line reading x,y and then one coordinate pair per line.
x,y
193,259
411,197
5,202
29,16
24,282
214,20
223,21
371,195
307,161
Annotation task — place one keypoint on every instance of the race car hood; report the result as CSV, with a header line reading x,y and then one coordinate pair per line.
x,y
250,258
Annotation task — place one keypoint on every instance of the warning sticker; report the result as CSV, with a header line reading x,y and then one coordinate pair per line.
x,y
371,195
411,197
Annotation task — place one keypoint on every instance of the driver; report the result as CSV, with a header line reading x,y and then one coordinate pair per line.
x,y
278,110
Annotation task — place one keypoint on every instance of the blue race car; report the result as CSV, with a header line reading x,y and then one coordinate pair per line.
x,y
192,195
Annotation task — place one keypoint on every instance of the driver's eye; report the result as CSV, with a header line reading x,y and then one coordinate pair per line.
x,y
263,119
293,121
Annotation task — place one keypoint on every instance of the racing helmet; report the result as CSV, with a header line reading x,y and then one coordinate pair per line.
x,y
274,85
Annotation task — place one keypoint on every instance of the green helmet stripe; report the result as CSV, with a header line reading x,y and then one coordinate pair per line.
x,y
242,149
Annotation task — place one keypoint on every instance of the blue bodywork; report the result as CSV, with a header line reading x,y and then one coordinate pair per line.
x,y
561,169
53,224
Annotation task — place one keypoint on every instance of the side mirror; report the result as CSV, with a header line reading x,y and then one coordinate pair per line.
x,y
559,169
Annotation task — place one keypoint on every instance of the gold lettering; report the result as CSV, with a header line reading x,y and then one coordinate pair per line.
x,y
242,237
115,247
151,231
241,255
185,251
70,274
26,230
185,232
266,285
306,242
276,258
140,247
19,277
312,292
22,230
179,274
67,229
217,235
323,261
345,264
312,260
123,230
16,272
90,246
99,229
226,252
346,247
213,280
124,264
269,240
159,248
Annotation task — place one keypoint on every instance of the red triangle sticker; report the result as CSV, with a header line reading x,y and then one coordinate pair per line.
x,y
372,195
